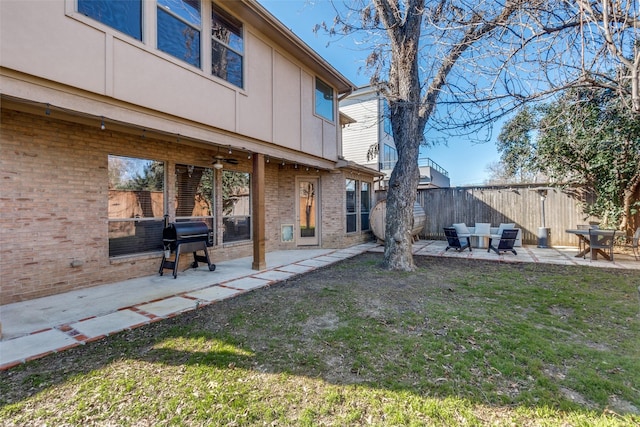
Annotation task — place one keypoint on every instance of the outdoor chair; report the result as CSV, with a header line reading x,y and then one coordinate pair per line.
x,y
601,241
506,242
454,241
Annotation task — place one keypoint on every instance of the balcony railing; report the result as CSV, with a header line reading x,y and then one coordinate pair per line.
x,y
426,161
422,162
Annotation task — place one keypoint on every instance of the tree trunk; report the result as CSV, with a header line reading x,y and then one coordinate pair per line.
x,y
404,97
401,197
411,109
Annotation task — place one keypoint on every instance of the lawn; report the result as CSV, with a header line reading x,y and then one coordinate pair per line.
x,y
458,342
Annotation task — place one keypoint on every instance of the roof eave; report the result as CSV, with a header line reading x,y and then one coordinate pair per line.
x,y
259,17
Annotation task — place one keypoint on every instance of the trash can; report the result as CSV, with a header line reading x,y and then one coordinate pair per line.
x,y
543,237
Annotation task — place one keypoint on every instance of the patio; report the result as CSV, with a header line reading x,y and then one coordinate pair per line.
x,y
35,328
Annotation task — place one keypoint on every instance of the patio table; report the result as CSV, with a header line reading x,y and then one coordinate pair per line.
x,y
583,236
480,240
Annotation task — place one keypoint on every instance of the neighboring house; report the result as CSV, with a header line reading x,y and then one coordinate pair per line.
x,y
368,139
118,117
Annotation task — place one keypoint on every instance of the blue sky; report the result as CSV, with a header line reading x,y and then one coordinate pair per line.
x,y
465,161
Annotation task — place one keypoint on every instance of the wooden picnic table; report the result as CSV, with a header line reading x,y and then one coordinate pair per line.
x,y
583,236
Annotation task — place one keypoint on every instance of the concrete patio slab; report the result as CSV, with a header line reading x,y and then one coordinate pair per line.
x,y
326,259
214,293
314,263
168,306
24,348
109,324
297,268
35,328
247,283
274,275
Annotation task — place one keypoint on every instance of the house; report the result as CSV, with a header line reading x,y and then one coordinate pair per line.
x,y
368,139
121,117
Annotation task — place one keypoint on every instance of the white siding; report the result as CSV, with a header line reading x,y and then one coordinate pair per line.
x,y
358,137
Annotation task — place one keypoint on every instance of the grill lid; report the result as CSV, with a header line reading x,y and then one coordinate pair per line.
x,y
186,231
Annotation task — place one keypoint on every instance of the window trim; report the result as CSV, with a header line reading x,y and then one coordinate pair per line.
x,y
72,9
368,212
358,206
250,206
225,15
386,118
136,221
315,100
355,205
147,44
180,19
212,219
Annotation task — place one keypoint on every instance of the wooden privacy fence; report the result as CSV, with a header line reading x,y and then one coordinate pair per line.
x,y
520,204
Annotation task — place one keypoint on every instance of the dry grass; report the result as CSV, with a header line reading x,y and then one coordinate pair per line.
x,y
458,342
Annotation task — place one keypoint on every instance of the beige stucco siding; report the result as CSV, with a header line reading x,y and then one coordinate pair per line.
x,y
257,103
146,79
49,44
61,46
312,125
287,118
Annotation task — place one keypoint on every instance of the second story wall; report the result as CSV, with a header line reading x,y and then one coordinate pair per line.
x,y
359,136
53,42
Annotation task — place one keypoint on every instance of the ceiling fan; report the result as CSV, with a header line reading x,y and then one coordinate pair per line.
x,y
219,160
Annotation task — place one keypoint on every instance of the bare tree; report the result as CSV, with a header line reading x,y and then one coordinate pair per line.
x,y
459,65
417,45
610,30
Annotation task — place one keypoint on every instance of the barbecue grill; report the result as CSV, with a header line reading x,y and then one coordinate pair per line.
x,y
191,236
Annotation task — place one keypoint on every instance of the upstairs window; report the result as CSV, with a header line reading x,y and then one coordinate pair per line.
x,y
387,117
389,158
179,25
324,100
227,47
123,15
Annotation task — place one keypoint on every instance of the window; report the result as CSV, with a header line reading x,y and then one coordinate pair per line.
x,y
179,24
365,205
227,47
195,195
389,157
236,206
387,117
352,217
358,199
123,15
324,100
136,205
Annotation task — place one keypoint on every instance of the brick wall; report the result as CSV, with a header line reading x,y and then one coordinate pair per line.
x,y
53,205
